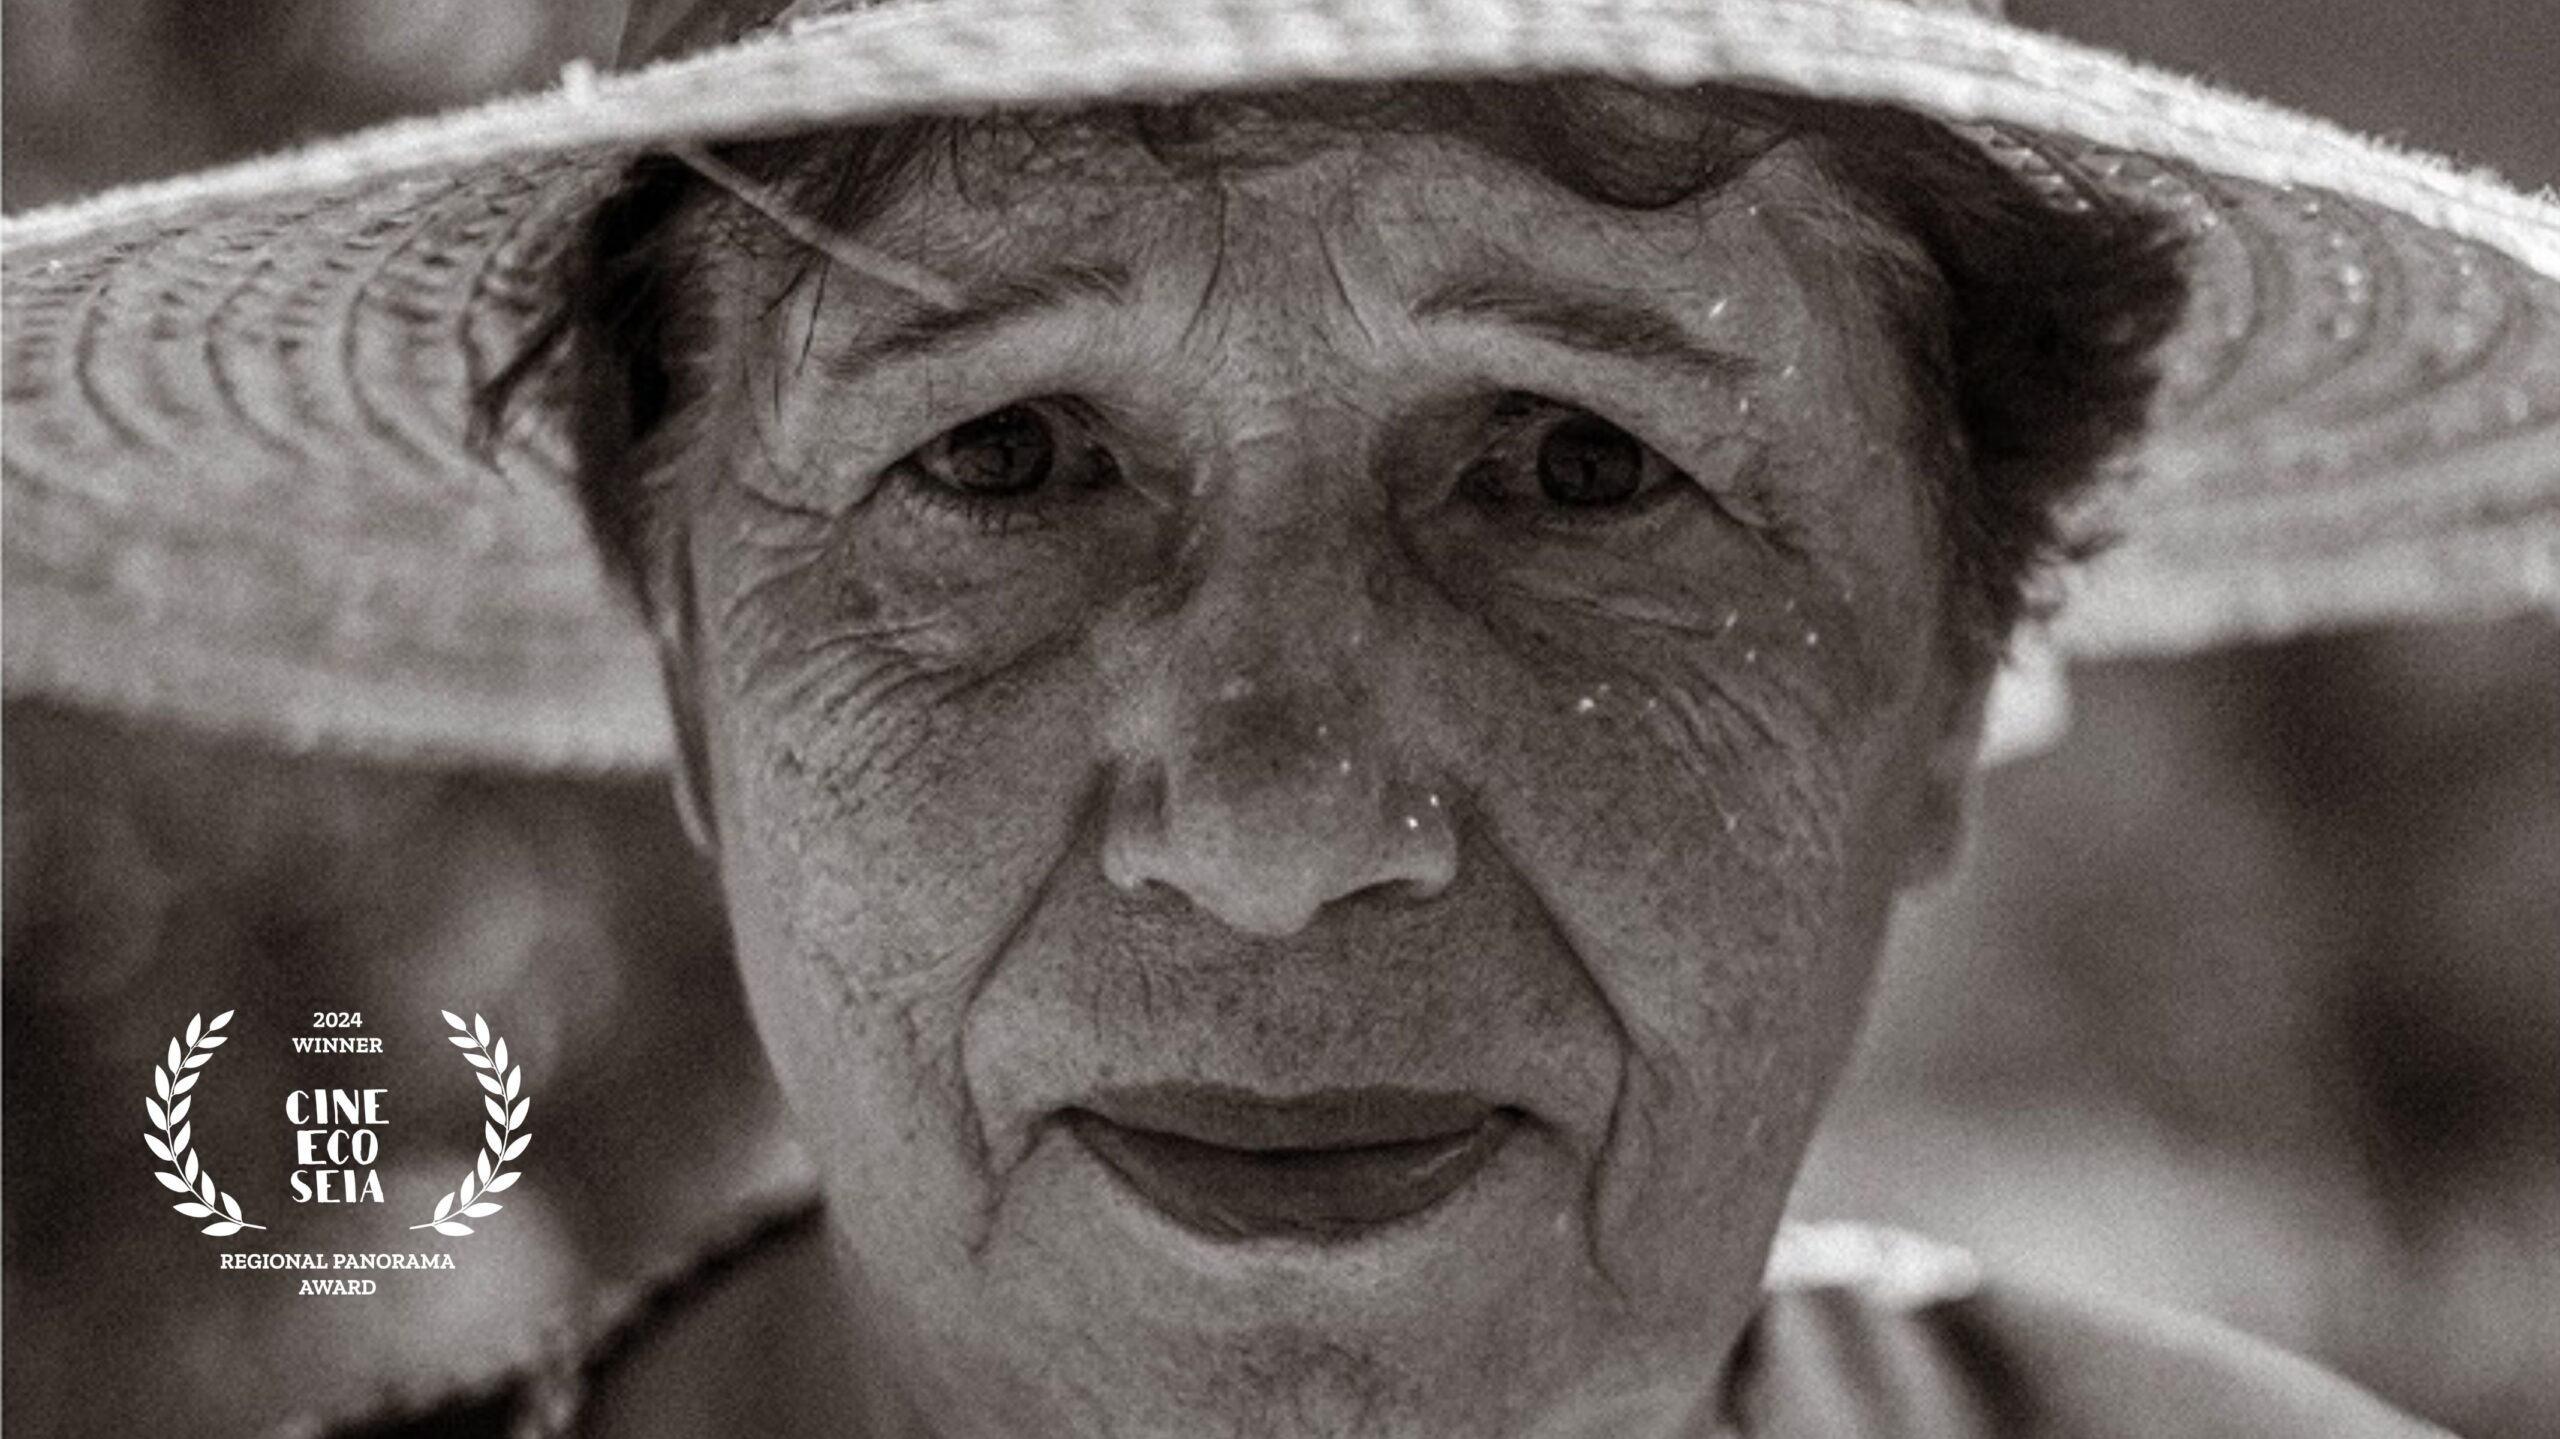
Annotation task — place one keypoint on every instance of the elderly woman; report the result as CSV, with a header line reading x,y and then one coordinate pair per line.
x,y
1312,647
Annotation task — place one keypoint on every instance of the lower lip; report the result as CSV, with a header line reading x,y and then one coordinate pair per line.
x,y
1324,1195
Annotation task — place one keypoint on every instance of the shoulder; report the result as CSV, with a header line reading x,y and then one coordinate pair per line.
x,y
681,1351
1864,1334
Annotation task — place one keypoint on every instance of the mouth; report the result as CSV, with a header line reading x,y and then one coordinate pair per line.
x,y
1328,1167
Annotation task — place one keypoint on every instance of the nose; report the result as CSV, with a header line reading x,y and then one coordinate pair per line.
x,y
1272,778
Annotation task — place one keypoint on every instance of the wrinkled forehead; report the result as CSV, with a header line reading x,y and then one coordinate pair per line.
x,y
1292,212
1604,180
1612,146
1600,140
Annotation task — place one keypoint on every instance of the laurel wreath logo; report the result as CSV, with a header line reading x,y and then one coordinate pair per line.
x,y
507,1105
174,1144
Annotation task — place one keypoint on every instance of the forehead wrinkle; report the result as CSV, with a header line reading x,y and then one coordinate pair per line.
x,y
1051,180
1015,259
1636,247
915,330
1200,242
1121,239
1560,133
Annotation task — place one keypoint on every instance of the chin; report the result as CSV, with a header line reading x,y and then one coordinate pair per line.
x,y
1090,1310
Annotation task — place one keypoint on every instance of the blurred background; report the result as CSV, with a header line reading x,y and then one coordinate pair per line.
x,y
2248,998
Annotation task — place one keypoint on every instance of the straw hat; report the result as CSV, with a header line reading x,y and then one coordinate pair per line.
x,y
240,493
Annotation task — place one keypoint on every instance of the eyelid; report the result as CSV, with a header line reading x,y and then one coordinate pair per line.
x,y
1693,414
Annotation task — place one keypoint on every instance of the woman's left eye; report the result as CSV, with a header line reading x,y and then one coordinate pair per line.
x,y
1566,466
1587,462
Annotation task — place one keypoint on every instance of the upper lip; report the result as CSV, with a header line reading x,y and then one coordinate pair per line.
x,y
1241,1119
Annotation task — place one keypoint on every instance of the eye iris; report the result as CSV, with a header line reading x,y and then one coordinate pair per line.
x,y
1004,453
1585,461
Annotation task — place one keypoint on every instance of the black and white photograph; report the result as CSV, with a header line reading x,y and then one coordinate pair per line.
x,y
1280,719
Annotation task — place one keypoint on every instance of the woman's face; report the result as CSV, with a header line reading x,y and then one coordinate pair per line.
x,y
1309,777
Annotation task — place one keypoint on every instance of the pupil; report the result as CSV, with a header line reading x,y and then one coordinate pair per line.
x,y
1586,461
1005,453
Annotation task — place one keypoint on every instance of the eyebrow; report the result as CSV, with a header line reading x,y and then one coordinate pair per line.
x,y
1596,322
918,329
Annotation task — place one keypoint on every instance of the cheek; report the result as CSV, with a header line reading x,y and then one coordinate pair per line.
x,y
898,766
1711,801
871,886
1709,818
903,715
898,851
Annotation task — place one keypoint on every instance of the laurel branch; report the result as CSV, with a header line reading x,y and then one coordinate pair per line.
x,y
507,1105
175,1147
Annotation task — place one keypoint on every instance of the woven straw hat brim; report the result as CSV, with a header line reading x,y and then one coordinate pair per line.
x,y
240,493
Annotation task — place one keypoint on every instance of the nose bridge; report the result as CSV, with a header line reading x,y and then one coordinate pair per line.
x,y
1276,702
1286,598
1281,618
1280,780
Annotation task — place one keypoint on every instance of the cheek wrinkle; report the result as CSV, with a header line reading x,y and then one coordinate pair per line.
x,y
740,605
1082,837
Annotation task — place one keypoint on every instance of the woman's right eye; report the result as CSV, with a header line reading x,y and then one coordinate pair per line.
x,y
1011,451
1008,468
